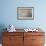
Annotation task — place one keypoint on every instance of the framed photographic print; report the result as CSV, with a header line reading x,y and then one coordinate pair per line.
x,y
25,13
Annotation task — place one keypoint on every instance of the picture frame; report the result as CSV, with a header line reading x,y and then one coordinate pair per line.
x,y
25,13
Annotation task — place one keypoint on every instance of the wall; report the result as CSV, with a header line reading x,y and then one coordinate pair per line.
x,y
9,13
